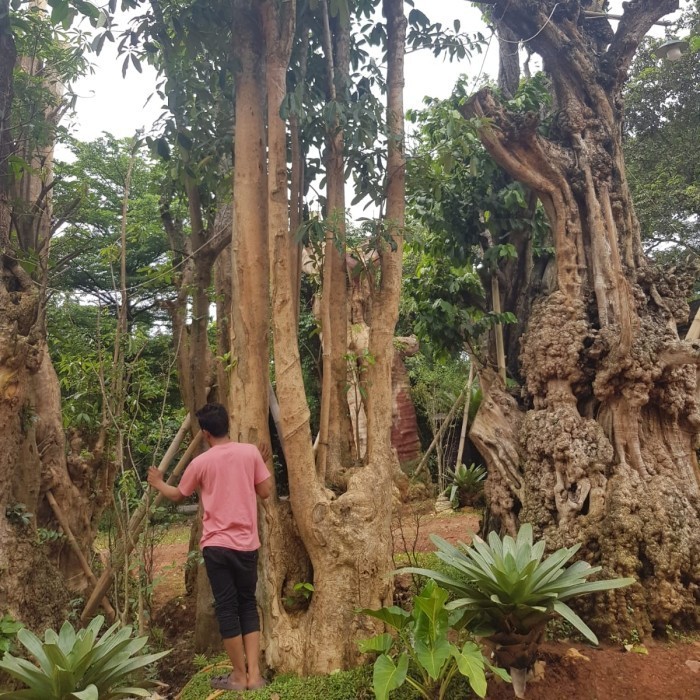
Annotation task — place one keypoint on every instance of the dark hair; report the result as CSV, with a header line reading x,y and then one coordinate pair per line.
x,y
213,417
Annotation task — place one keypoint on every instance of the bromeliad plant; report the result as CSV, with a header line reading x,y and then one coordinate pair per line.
x,y
421,654
467,483
79,664
507,592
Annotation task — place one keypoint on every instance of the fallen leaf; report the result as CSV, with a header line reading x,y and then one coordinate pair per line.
x,y
575,655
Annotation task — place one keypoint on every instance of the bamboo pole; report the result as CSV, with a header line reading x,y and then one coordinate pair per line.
x,y
465,416
498,328
65,526
438,435
138,518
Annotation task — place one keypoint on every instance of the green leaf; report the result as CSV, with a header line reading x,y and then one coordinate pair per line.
x,y
90,693
433,654
388,676
380,643
570,616
393,616
470,663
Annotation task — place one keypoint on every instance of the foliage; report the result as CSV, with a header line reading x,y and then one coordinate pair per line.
x,y
36,99
8,632
662,105
466,482
506,586
422,647
79,664
18,514
88,202
468,213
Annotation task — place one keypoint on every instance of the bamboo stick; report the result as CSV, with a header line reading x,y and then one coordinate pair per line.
x,y
438,435
138,517
498,328
65,526
465,416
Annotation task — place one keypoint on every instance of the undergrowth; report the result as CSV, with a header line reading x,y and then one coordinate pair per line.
x,y
341,685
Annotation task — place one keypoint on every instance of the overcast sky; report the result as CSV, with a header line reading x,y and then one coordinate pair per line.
x,y
110,103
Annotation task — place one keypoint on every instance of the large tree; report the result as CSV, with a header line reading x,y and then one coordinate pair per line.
x,y
36,486
338,539
600,449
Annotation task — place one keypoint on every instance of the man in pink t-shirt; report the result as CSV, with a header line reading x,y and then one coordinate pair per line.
x,y
228,476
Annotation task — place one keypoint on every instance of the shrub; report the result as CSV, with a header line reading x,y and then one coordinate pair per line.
x,y
421,654
79,664
507,592
467,484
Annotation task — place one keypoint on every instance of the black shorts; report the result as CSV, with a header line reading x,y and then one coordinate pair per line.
x,y
233,576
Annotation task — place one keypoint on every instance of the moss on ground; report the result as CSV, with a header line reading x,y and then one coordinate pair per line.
x,y
342,685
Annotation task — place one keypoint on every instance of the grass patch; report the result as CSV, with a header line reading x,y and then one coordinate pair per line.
x,y
342,685
175,533
426,560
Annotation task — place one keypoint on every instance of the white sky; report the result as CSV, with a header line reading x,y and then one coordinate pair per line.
x,y
110,103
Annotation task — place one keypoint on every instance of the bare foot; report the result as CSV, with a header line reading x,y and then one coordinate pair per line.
x,y
257,684
227,682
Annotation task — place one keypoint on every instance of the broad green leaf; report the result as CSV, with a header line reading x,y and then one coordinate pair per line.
x,y
470,663
388,676
381,643
90,693
433,654
393,616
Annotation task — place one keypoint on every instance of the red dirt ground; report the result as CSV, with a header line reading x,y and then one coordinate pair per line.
x,y
670,671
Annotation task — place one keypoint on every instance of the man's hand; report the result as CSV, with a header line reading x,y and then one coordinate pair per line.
x,y
265,451
155,478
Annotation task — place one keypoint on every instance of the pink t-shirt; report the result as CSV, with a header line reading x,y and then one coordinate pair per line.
x,y
226,476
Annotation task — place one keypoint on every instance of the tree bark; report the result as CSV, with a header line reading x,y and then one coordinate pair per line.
x,y
35,581
340,543
603,452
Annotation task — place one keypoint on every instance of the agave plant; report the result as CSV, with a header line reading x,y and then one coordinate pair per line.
x,y
508,592
467,482
79,664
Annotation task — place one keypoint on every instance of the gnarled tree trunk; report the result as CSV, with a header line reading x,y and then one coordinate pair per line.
x,y
33,586
603,450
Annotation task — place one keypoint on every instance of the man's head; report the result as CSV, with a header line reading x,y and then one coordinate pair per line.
x,y
213,419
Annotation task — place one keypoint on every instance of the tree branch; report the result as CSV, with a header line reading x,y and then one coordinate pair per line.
x,y
639,17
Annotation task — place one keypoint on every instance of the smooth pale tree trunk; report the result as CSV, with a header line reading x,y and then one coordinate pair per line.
x,y
334,439
340,543
604,454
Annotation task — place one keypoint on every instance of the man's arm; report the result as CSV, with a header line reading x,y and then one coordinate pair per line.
x,y
155,479
264,488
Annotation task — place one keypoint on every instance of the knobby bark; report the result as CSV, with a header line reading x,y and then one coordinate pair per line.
x,y
34,460
602,453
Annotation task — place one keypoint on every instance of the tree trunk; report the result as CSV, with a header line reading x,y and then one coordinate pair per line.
x,y
603,454
340,543
35,581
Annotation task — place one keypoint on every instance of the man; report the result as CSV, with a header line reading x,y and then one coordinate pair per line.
x,y
228,476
